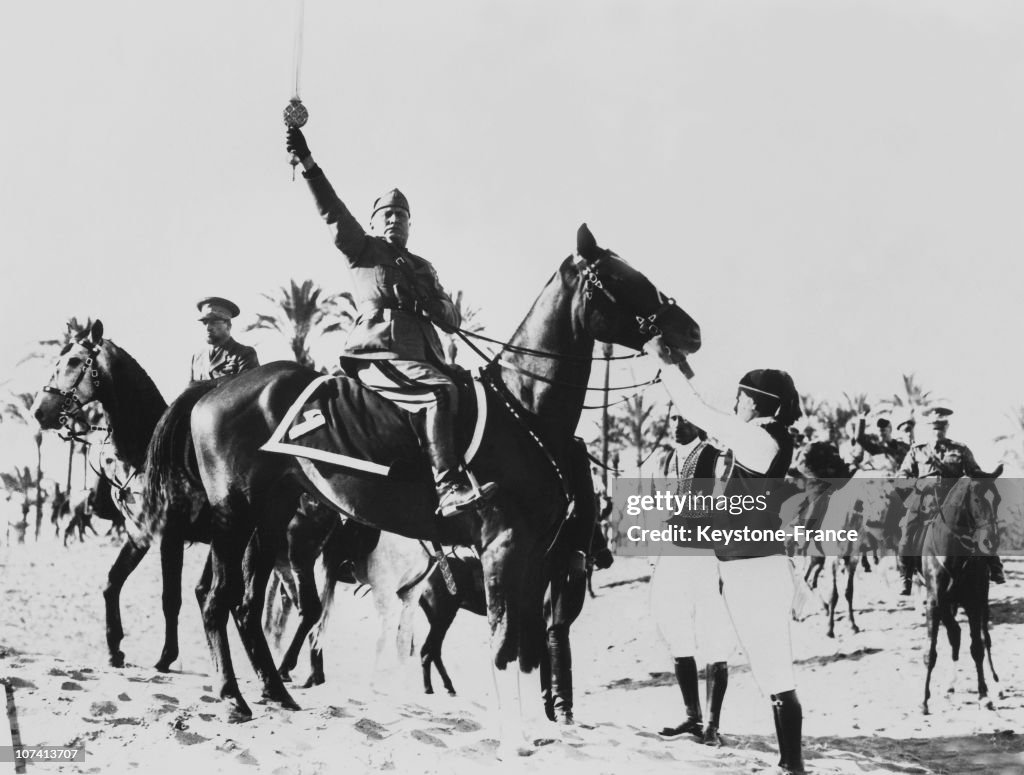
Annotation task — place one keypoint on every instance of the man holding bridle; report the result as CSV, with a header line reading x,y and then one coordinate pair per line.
x,y
757,584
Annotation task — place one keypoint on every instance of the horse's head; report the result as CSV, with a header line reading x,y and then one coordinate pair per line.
x,y
616,303
821,460
970,512
73,384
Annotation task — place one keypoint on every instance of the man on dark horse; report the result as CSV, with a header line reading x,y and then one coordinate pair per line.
x,y
224,355
393,343
946,461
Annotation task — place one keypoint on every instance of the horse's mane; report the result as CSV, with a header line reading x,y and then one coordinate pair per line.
x,y
133,405
170,476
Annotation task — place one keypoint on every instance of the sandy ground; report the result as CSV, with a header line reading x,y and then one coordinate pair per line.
x,y
860,693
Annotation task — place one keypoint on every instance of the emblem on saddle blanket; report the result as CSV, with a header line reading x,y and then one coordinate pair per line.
x,y
339,421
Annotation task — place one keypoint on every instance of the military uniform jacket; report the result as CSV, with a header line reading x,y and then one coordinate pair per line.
x,y
221,361
385,329
943,459
884,457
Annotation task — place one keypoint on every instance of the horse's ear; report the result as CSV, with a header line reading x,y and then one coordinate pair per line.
x,y
586,245
96,332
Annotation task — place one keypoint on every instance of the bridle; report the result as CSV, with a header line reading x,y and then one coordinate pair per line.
x,y
647,324
72,408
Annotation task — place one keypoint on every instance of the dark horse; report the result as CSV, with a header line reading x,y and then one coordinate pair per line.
x,y
145,434
535,393
954,557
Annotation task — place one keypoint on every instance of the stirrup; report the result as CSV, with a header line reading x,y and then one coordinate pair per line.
x,y
455,497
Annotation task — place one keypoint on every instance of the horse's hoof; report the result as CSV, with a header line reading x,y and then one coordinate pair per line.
x,y
163,666
237,713
924,710
285,676
856,630
988,704
315,679
117,660
285,701
428,690
830,634
451,693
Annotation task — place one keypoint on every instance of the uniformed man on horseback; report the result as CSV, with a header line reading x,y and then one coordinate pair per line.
x,y
882,453
944,461
224,356
393,343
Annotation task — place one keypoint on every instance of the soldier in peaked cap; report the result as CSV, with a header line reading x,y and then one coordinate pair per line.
x,y
223,356
393,341
944,460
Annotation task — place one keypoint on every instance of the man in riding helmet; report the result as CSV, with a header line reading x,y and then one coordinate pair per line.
x,y
945,461
224,356
755,576
393,342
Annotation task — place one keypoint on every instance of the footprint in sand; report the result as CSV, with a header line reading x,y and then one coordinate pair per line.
x,y
458,724
20,683
427,739
371,729
185,737
102,708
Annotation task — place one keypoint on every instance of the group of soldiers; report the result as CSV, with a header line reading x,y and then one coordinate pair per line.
x,y
929,457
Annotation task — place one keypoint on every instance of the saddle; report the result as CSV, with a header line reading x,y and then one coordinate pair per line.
x,y
337,421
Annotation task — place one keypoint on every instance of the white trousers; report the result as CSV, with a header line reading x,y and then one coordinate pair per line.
x,y
688,610
758,595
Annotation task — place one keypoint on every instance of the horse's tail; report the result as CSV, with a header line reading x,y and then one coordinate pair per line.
x,y
278,608
171,479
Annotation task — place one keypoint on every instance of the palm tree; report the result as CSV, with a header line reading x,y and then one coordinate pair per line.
x,y
21,483
1012,443
914,396
18,408
631,426
470,324
48,348
301,311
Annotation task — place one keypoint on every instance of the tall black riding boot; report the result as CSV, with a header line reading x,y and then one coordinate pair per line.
x,y
907,574
454,492
789,719
717,677
686,676
560,655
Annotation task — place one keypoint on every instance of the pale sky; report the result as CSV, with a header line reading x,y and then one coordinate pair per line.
x,y
827,187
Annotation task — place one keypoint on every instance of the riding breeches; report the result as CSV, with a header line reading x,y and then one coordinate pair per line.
x,y
688,608
413,385
758,595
